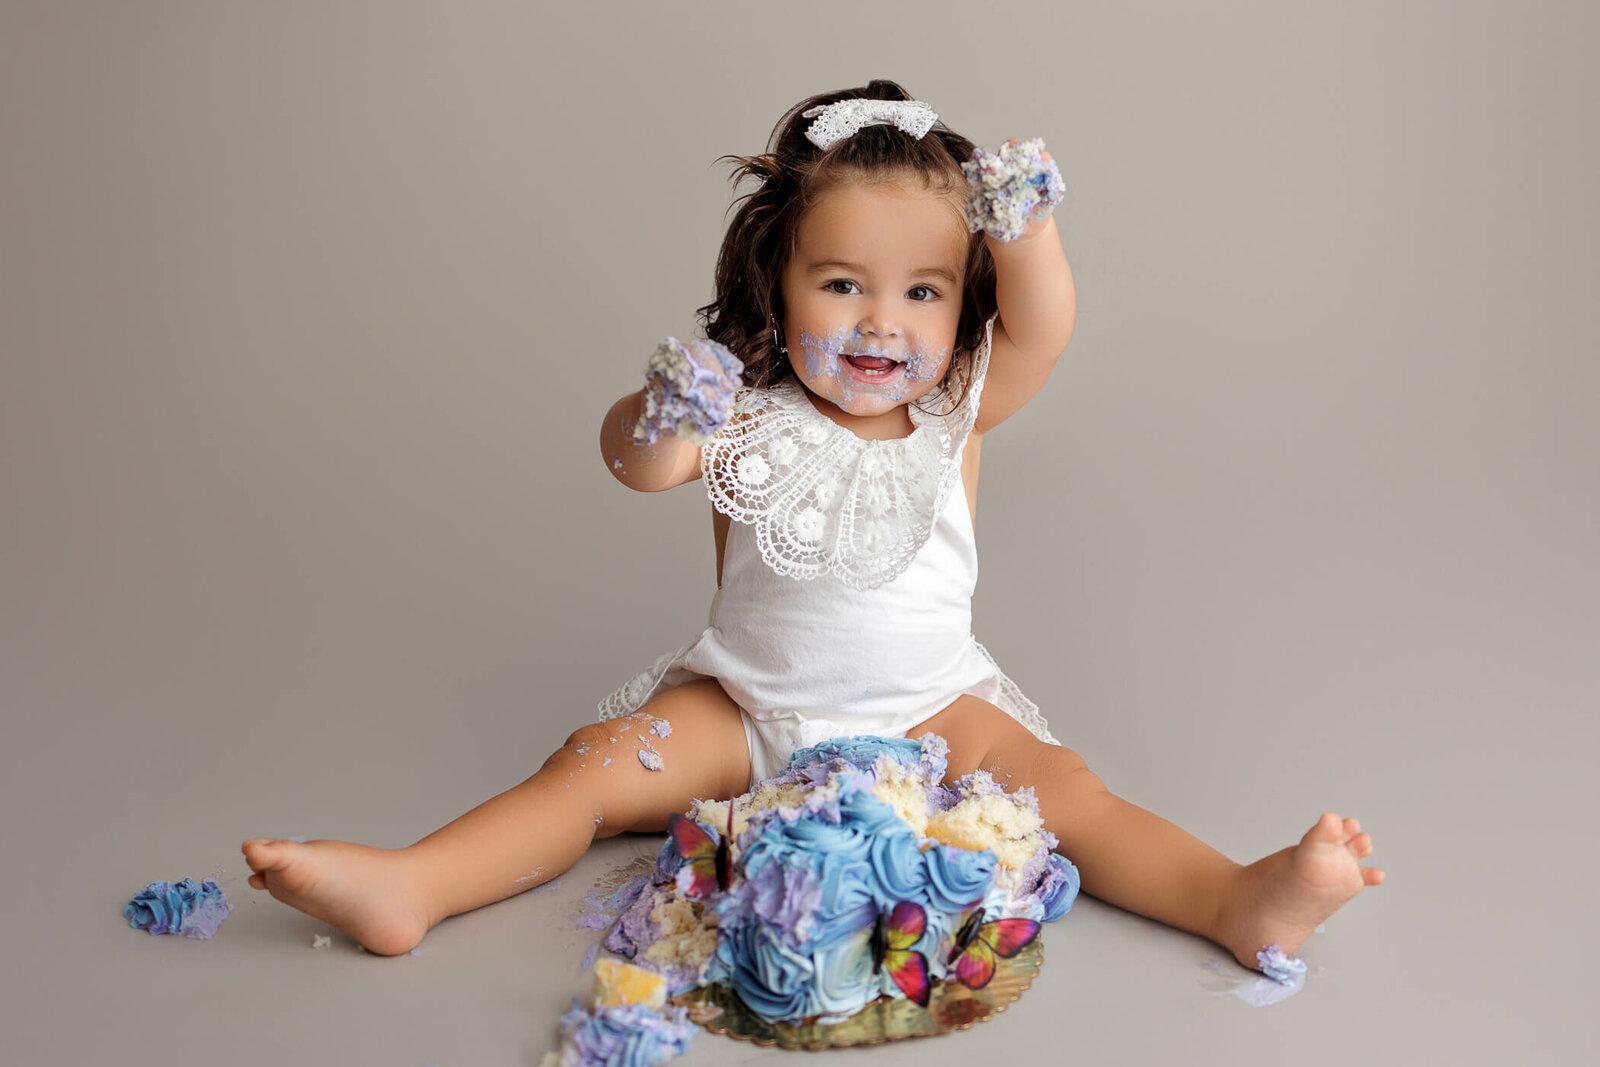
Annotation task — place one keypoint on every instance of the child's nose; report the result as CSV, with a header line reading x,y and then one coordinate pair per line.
x,y
877,323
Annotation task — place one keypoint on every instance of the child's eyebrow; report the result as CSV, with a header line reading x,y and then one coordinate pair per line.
x,y
822,267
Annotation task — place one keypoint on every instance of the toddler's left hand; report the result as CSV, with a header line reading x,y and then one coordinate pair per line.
x,y
689,390
1014,190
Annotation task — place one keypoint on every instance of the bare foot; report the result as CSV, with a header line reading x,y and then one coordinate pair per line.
x,y
363,891
1285,896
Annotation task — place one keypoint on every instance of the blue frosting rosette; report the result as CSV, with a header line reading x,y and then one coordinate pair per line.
x,y
627,1036
187,907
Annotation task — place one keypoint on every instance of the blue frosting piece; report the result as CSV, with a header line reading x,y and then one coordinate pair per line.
x,y
1059,887
958,877
188,908
778,981
629,1036
1280,967
827,857
862,751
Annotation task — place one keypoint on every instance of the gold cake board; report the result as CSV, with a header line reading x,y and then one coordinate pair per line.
x,y
951,1006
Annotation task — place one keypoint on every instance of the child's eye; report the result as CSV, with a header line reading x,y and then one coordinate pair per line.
x,y
930,291
841,281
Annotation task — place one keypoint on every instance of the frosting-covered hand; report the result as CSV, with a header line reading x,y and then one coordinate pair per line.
x,y
689,391
1014,190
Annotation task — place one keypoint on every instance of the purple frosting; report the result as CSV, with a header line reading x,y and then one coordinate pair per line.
x,y
1279,966
689,390
863,751
187,908
1011,188
634,932
1058,888
633,929
629,1036
599,912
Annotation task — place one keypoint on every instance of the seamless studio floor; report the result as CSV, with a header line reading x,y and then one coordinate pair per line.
x,y
307,330
1451,960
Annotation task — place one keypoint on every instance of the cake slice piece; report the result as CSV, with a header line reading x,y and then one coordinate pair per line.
x,y
617,984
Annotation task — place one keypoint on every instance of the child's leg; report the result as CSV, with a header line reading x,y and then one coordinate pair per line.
x,y
1138,861
593,786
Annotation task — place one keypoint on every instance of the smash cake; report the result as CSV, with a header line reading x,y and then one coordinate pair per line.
x,y
853,876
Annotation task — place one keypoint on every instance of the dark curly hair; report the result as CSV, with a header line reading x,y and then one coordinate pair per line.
x,y
792,175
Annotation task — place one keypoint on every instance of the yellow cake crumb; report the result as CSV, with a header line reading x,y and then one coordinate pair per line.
x,y
999,822
904,792
617,983
687,936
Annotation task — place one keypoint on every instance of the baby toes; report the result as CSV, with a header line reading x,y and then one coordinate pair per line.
x,y
265,854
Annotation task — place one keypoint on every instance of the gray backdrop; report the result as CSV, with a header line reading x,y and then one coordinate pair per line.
x,y
308,317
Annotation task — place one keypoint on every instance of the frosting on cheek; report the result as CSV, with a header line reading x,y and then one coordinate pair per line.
x,y
825,366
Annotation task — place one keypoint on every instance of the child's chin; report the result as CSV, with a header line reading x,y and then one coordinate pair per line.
x,y
869,405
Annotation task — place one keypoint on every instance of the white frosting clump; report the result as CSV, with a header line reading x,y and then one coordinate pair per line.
x,y
1011,188
689,390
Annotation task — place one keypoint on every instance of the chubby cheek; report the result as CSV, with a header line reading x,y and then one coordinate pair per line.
x,y
927,364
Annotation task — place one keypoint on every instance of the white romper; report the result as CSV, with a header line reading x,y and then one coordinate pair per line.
x,y
847,577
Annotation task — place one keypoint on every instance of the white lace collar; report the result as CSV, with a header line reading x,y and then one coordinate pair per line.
x,y
824,501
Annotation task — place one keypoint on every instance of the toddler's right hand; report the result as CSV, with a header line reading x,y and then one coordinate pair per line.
x,y
1013,190
689,390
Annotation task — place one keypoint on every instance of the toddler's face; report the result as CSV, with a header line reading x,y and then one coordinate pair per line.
x,y
872,295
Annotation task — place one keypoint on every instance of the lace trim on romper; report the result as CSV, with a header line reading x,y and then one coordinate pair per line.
x,y
821,500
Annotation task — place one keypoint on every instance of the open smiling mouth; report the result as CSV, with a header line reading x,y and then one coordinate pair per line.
x,y
872,368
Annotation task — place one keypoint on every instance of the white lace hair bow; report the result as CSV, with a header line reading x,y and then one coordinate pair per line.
x,y
840,119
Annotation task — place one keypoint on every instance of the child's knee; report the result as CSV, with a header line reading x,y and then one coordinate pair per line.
x,y
1044,766
1068,769
589,736
614,768
588,746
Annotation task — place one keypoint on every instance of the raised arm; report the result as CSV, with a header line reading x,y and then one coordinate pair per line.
x,y
1014,195
650,440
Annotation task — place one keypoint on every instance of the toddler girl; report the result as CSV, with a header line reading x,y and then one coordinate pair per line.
x,y
864,340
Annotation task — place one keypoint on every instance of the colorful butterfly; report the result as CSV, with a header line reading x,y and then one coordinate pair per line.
x,y
977,944
892,937
709,862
